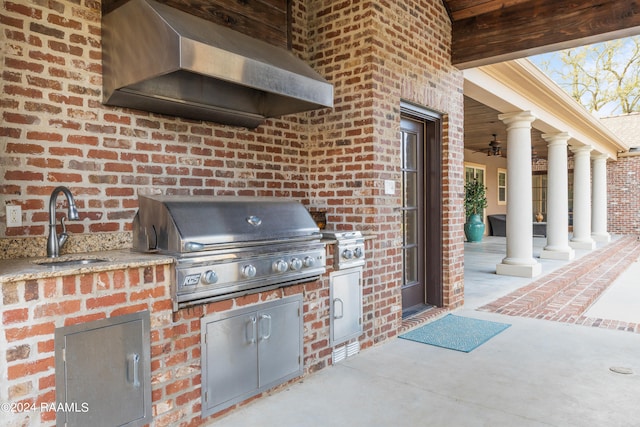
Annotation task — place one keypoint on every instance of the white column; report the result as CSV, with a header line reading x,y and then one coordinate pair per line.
x,y
582,199
519,260
599,202
557,199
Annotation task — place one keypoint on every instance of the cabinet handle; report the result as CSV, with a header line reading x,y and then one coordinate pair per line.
x,y
268,335
335,316
251,326
133,363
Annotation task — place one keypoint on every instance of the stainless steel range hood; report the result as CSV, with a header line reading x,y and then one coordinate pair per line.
x,y
159,59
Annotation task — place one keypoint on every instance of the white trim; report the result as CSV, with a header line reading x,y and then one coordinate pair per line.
x,y
501,171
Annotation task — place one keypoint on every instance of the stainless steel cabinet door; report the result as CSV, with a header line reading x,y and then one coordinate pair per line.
x,y
280,343
103,372
249,350
346,304
231,359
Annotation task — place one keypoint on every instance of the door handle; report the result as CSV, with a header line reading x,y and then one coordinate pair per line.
x,y
268,319
133,364
250,330
335,315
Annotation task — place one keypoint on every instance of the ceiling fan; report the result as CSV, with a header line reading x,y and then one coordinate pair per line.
x,y
495,147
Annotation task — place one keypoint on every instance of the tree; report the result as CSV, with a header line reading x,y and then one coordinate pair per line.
x,y
604,77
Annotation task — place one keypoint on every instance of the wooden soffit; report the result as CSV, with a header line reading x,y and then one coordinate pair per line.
x,y
491,31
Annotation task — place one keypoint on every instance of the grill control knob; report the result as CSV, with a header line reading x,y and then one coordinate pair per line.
x,y
296,264
347,254
357,252
280,266
210,277
308,261
248,271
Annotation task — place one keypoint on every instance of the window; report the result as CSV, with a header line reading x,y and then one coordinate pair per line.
x,y
474,171
502,186
539,187
539,194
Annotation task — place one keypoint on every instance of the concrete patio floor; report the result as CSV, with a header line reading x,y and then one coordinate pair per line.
x,y
535,373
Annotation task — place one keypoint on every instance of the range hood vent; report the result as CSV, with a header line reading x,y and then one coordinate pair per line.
x,y
159,59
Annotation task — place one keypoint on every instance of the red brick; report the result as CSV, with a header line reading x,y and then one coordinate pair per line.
x,y
57,308
47,382
18,315
128,309
69,285
106,301
84,318
177,386
30,368
189,396
13,175
17,334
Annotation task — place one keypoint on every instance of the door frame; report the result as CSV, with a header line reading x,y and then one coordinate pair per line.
x,y
433,199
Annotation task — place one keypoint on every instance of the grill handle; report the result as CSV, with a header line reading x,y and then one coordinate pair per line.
x,y
197,246
194,246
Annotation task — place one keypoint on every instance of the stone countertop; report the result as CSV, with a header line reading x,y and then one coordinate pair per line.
x,y
12,270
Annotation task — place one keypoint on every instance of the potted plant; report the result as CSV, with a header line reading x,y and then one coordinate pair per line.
x,y
475,200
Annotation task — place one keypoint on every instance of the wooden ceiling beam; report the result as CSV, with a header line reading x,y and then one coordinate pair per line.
x,y
539,26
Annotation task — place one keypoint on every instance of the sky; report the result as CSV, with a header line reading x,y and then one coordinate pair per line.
x,y
552,64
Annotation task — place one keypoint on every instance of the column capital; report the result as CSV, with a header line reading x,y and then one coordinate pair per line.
x,y
581,149
517,119
556,138
600,156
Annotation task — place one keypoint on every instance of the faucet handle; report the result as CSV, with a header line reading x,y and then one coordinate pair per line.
x,y
62,239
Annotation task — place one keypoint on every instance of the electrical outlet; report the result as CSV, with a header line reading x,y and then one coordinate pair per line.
x,y
14,216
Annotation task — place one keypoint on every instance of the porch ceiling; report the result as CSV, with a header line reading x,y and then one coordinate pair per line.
x,y
481,122
520,86
491,31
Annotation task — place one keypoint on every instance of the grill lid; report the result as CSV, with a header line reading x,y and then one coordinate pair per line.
x,y
196,223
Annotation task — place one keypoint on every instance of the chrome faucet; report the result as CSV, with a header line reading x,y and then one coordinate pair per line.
x,y
54,243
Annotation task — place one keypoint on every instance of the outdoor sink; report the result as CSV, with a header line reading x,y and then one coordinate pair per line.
x,y
69,262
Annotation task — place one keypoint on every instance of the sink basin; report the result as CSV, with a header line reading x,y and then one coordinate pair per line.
x,y
70,262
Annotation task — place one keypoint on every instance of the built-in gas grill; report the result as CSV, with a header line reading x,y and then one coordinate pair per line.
x,y
230,246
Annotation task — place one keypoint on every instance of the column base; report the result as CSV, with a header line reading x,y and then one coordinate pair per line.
x,y
601,237
583,244
519,270
560,254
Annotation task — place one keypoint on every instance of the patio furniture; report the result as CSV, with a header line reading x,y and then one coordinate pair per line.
x,y
498,226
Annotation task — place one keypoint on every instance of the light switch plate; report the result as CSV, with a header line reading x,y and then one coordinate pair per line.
x,y
14,216
389,187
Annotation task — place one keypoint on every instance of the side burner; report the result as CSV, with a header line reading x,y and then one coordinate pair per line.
x,y
349,250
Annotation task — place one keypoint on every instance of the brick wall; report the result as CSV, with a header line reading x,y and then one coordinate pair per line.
x,y
623,181
377,54
55,131
32,309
